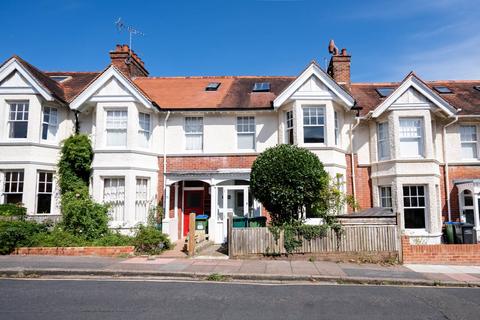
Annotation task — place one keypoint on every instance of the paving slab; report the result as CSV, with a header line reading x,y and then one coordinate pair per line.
x,y
329,268
279,267
370,273
304,267
253,267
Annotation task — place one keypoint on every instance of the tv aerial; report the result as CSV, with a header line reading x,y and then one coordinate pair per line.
x,y
121,26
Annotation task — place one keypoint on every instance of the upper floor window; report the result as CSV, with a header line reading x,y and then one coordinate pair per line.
x,y
289,127
194,133
336,129
313,124
117,128
49,123
18,120
13,187
468,138
144,129
246,133
382,141
411,137
385,197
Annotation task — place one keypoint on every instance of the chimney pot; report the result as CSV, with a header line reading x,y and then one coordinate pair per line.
x,y
339,69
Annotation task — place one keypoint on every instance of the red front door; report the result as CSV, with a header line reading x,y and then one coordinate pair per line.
x,y
193,203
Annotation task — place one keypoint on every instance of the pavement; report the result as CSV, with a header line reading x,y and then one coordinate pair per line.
x,y
159,299
240,270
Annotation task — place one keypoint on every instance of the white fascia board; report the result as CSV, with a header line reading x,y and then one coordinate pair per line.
x,y
413,82
100,81
12,66
347,100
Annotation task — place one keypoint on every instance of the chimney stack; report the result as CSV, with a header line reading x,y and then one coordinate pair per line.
x,y
128,62
339,67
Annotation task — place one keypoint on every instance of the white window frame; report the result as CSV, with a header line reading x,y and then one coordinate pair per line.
x,y
113,125
141,198
417,197
319,113
385,196
190,133
46,181
403,137
22,116
51,125
19,183
116,200
469,142
289,125
145,130
246,127
383,144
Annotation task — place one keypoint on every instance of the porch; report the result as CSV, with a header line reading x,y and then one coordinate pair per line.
x,y
469,203
212,194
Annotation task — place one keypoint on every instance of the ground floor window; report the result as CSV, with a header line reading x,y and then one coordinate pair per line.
x,y
414,207
467,205
44,192
141,199
13,187
114,195
385,197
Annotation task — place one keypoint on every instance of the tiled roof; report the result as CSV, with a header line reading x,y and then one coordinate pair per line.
x,y
464,95
178,93
77,82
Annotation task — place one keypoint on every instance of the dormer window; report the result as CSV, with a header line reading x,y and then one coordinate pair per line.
x,y
384,92
212,86
477,88
261,87
60,78
442,89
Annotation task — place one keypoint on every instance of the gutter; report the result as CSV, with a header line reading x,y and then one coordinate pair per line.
x,y
352,161
165,160
445,160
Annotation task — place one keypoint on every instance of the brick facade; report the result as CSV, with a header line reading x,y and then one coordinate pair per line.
x,y
76,251
460,254
363,183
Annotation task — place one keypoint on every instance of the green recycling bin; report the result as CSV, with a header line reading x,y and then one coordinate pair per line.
x,y
257,222
240,222
201,222
449,233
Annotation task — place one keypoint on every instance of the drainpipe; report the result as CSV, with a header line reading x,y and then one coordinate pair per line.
x,y
165,160
352,162
445,159
77,122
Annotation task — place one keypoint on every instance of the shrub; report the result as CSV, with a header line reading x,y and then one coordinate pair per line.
x,y
287,179
149,240
56,238
13,210
17,234
114,239
84,217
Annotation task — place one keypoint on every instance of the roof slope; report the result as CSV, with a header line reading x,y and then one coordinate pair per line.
x,y
77,83
233,93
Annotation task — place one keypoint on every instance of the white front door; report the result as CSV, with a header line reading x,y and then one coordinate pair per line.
x,y
230,199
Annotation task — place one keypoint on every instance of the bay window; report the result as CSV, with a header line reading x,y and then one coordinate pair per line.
x,y
382,141
18,120
44,192
468,138
49,123
289,127
411,137
246,133
13,187
313,124
414,207
385,193
117,128
114,196
144,129
194,133
336,128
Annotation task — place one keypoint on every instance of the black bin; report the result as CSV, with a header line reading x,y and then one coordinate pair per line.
x,y
457,234
467,233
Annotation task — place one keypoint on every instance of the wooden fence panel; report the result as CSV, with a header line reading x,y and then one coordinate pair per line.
x,y
354,238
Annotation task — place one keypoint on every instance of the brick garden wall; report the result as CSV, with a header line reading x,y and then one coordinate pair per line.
x,y
460,254
76,251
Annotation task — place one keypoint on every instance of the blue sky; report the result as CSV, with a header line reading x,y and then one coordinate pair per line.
x,y
437,39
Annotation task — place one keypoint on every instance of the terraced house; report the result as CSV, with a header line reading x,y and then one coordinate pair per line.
x,y
188,142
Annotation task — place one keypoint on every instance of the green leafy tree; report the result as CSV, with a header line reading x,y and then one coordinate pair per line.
x,y
80,214
287,179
